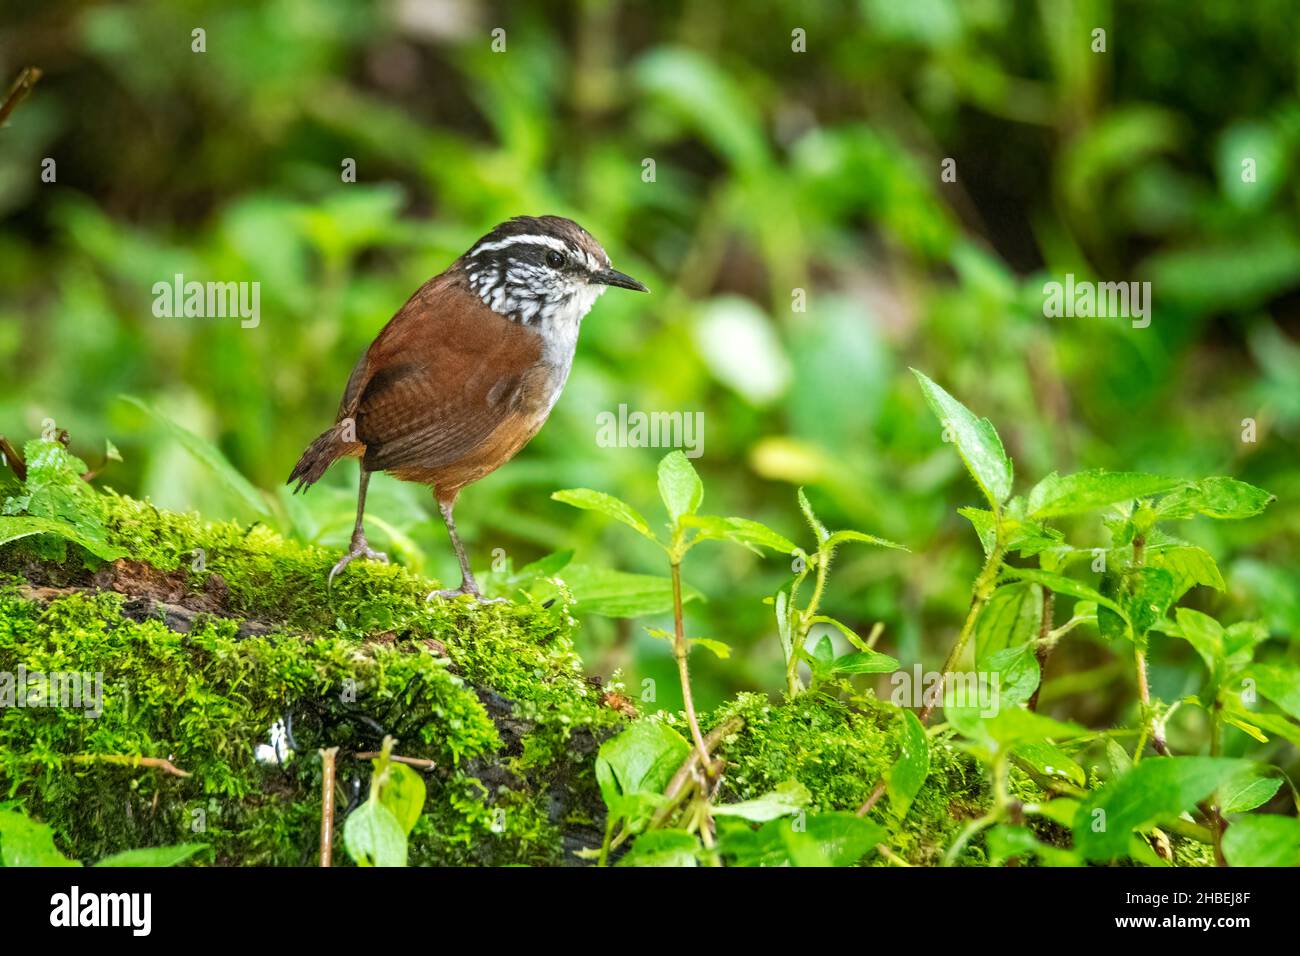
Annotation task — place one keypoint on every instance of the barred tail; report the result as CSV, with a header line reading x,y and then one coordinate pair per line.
x,y
328,448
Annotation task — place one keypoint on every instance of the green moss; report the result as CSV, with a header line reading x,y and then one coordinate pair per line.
x,y
495,695
840,751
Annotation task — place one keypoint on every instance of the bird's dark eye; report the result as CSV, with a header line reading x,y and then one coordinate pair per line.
x,y
555,259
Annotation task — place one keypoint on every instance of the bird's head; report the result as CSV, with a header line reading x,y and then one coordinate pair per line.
x,y
541,270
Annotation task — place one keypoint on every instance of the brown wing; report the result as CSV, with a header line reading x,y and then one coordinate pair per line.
x,y
440,378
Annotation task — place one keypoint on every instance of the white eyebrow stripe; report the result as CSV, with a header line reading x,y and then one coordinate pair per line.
x,y
559,245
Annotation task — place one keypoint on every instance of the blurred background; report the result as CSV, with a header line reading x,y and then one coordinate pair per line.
x,y
778,175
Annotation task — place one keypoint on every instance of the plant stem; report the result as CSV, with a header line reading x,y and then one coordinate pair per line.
x,y
128,761
980,594
679,651
1044,649
327,757
1144,695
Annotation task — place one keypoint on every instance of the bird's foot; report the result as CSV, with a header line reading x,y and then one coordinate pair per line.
x,y
466,589
359,549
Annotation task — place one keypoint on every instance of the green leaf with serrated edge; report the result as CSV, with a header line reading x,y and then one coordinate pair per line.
x,y
208,454
373,837
1262,839
1145,593
842,537
907,774
25,842
154,855
985,524
1062,585
1086,491
864,662
1011,617
607,505
1052,762
1017,672
663,848
1224,498
1189,566
977,442
1157,787
787,798
739,530
402,792
818,529
679,485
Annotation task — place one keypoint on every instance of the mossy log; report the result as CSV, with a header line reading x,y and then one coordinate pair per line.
x,y
209,634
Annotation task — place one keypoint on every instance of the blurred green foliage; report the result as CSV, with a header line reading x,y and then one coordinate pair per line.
x,y
774,171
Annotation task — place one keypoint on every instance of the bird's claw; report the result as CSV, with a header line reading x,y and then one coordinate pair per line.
x,y
464,590
359,549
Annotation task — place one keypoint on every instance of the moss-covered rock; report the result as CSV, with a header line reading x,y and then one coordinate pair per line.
x,y
207,635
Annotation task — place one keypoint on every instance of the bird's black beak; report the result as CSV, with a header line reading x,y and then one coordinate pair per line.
x,y
614,277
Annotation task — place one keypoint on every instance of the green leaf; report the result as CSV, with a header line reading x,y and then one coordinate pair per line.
x,y
607,505
663,848
1262,839
679,486
1204,633
21,526
720,649
1189,566
1012,617
985,523
1145,593
600,590
864,662
1215,498
1247,792
977,442
1063,585
1051,761
1018,674
1280,683
785,800
373,837
25,842
154,855
830,839
1087,491
208,455
639,761
740,530
907,775
840,537
1005,841
1155,788
402,792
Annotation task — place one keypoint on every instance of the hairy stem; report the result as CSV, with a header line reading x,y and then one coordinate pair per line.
x,y
679,652
980,594
327,758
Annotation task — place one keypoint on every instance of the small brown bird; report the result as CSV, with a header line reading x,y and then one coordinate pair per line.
x,y
468,370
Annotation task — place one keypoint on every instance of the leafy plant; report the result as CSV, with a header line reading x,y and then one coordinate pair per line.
x,y
376,832
26,842
1143,572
